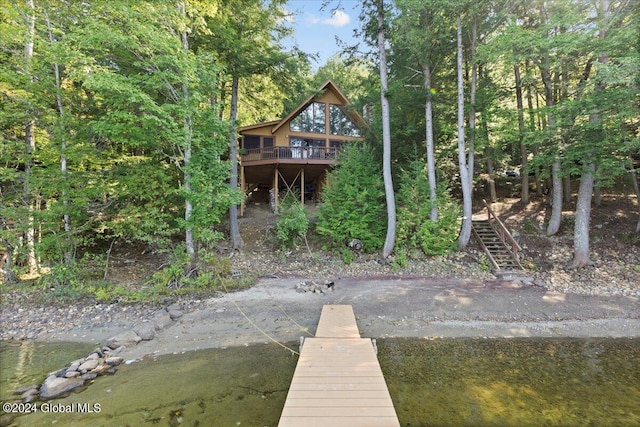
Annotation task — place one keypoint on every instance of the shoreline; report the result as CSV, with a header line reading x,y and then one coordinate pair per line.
x,y
384,308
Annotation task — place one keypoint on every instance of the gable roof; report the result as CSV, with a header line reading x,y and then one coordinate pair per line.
x,y
328,85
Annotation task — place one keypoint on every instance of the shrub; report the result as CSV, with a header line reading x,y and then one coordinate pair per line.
x,y
353,201
415,229
293,223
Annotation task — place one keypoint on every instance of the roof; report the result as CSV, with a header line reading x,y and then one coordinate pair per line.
x,y
328,85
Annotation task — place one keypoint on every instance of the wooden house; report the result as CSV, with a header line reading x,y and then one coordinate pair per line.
x,y
294,153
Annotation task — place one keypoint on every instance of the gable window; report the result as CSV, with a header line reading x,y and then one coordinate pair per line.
x,y
340,123
311,119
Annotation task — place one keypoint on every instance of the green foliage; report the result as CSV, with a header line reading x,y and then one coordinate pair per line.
x,y
353,201
293,223
415,228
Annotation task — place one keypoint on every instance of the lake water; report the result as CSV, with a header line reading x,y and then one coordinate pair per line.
x,y
447,382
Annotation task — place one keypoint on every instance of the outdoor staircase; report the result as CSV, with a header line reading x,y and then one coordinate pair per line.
x,y
499,253
496,241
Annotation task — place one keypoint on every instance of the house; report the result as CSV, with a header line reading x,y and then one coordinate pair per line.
x,y
294,153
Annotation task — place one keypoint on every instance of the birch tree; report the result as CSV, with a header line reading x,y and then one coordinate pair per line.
x,y
386,134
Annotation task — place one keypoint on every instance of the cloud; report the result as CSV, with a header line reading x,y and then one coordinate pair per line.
x,y
311,19
338,19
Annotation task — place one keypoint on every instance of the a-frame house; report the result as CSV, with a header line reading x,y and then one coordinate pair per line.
x,y
296,151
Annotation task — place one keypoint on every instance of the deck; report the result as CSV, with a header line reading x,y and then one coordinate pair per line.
x,y
338,380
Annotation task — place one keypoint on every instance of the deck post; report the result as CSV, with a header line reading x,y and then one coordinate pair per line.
x,y
275,190
243,186
302,186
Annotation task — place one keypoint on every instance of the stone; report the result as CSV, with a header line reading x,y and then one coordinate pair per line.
x,y
72,374
146,330
88,365
92,356
25,389
55,386
29,396
89,376
162,319
175,314
113,360
129,338
102,369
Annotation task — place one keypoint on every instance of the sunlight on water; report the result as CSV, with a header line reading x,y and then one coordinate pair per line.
x,y
452,382
513,382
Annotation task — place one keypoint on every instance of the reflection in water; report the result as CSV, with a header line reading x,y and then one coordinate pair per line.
x,y
450,382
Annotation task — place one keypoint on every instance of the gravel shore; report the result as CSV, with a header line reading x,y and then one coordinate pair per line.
x,y
22,319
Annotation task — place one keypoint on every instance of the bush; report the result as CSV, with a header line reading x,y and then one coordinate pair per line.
x,y
293,223
353,201
415,229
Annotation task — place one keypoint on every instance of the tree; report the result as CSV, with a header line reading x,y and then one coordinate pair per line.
x,y
244,37
466,169
386,134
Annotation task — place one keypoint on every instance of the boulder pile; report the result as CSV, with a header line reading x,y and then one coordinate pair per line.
x,y
101,361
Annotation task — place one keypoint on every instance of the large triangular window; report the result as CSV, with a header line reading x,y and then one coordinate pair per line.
x,y
340,123
311,119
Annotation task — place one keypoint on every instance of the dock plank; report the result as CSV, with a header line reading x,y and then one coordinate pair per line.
x,y
338,381
337,321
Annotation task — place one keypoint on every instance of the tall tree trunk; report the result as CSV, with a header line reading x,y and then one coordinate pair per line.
x,y
566,188
472,102
431,163
68,247
234,227
30,147
188,140
390,239
465,181
583,213
488,154
583,207
524,169
556,168
532,128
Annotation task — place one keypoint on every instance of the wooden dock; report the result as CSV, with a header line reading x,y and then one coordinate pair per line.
x,y
338,381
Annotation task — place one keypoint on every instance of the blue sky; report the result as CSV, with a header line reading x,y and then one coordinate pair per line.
x,y
315,30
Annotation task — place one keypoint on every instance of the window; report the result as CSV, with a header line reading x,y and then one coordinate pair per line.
x,y
251,142
311,119
340,123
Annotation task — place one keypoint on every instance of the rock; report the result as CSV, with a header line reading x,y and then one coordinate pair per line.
x,y
102,369
145,330
162,319
129,338
113,360
72,374
315,287
29,395
25,389
55,386
89,376
88,365
93,356
175,314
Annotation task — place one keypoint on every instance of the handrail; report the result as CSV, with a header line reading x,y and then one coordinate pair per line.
x,y
503,233
268,153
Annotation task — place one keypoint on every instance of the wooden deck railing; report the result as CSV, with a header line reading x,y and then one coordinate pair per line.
x,y
275,153
505,236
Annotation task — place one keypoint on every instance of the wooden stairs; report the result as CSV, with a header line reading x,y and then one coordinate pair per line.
x,y
496,241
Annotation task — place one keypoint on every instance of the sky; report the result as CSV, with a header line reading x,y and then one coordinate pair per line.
x,y
315,30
